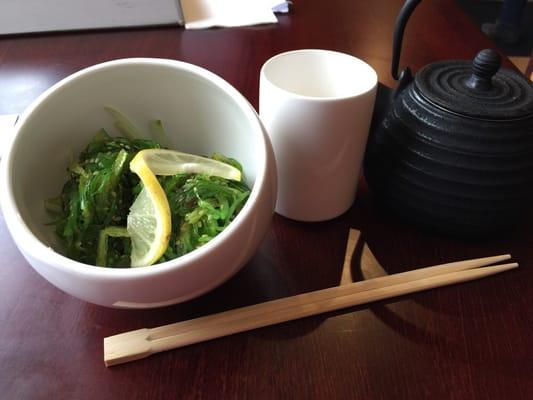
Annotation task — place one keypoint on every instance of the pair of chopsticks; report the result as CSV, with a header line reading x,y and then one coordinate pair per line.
x,y
141,343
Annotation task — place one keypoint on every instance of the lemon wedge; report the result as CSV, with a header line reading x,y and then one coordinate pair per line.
x,y
148,223
170,162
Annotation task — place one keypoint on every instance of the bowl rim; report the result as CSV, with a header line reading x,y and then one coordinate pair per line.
x,y
30,244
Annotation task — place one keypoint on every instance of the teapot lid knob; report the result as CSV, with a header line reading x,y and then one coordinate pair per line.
x,y
480,89
485,65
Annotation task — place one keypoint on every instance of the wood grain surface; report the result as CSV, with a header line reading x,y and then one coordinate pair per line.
x,y
470,341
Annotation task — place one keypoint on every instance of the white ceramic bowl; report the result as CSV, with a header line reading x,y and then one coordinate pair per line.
x,y
202,113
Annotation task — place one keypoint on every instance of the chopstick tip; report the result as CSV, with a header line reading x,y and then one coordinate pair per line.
x,y
502,267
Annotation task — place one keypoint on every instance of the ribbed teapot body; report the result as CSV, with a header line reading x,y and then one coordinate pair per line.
x,y
448,172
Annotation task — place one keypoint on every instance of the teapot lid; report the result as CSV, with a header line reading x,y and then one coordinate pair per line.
x,y
480,89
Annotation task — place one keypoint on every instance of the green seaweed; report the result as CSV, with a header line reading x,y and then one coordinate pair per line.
x,y
90,214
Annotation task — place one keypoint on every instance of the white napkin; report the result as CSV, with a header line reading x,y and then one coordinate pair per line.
x,y
279,6
200,14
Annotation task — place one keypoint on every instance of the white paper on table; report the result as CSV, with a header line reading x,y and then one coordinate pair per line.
x,y
28,16
200,14
279,6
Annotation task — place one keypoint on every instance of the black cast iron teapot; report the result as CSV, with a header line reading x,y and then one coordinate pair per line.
x,y
454,151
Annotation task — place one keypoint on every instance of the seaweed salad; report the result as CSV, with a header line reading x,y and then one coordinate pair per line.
x,y
93,214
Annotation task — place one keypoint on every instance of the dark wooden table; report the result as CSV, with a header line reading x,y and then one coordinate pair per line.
x,y
470,341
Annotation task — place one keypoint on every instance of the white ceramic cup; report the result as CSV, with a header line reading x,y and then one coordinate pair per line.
x,y
317,107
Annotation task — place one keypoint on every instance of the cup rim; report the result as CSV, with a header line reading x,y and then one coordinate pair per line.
x,y
373,75
30,245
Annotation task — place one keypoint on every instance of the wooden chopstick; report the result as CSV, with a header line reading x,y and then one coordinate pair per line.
x,y
141,343
171,340
324,294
